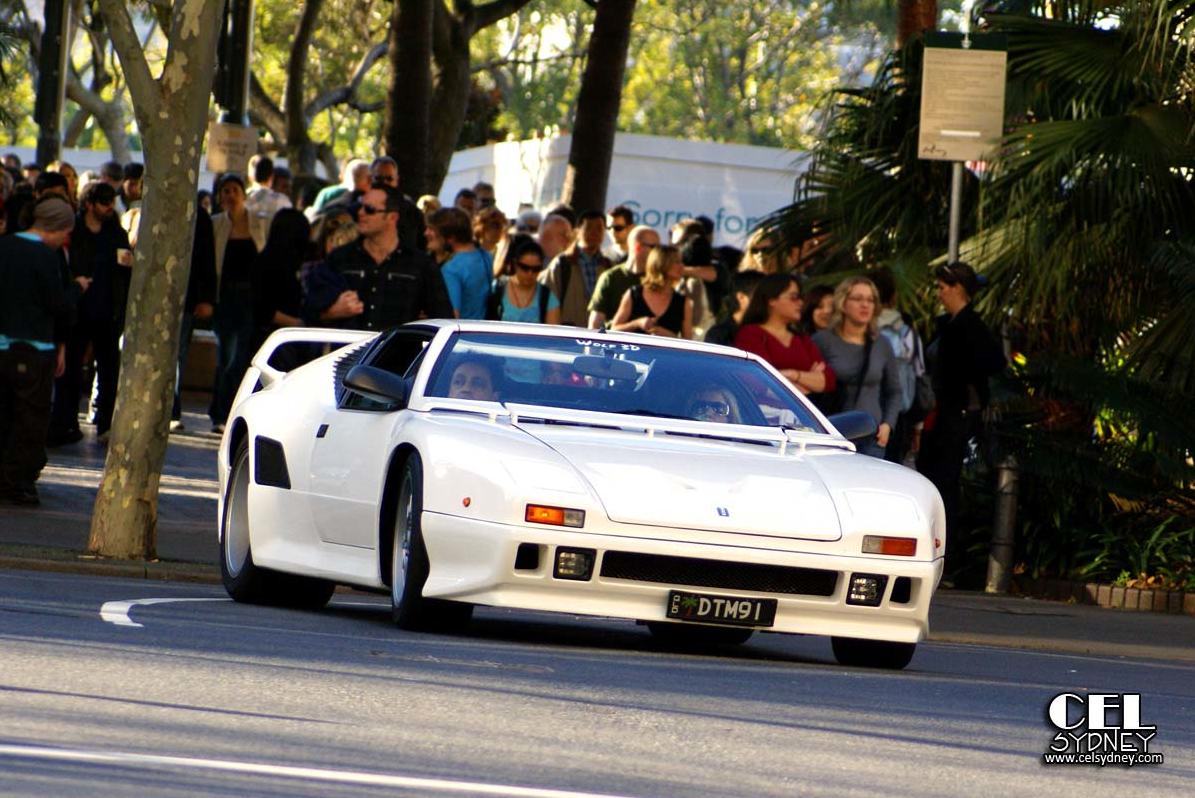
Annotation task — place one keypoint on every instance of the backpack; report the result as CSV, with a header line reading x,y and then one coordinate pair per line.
x,y
493,310
905,346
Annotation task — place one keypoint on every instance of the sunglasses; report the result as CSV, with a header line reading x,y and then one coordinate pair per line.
x,y
618,228
369,210
530,267
760,250
710,408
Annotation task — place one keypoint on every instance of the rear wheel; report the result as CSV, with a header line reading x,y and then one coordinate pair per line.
x,y
696,636
872,653
243,580
409,565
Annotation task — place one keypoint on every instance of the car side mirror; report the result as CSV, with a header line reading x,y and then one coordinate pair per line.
x,y
377,384
854,425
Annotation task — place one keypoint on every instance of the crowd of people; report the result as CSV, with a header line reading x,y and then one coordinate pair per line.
x,y
363,255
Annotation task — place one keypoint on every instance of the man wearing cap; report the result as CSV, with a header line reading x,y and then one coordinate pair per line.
x,y
99,250
388,284
31,301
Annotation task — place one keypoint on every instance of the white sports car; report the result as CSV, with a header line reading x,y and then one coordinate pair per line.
x,y
683,485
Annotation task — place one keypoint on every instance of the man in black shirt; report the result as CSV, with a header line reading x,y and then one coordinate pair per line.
x,y
387,284
31,298
100,250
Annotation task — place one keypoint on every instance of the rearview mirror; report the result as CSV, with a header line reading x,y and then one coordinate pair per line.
x,y
377,384
604,368
854,425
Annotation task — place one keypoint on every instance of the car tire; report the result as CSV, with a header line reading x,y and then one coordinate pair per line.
x,y
243,580
409,564
872,653
697,636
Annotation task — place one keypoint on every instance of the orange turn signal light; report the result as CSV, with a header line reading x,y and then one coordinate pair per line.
x,y
899,547
556,516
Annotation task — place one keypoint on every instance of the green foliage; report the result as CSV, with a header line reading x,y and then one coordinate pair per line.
x,y
535,59
749,72
346,31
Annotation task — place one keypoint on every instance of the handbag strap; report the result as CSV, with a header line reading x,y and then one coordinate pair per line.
x,y
862,370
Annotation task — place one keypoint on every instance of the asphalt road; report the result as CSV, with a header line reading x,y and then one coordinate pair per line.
x,y
198,696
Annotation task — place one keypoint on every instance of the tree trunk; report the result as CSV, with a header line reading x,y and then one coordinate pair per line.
x,y
913,17
410,54
592,148
300,149
171,113
451,34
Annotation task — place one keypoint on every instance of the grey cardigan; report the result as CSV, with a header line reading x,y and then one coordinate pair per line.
x,y
881,392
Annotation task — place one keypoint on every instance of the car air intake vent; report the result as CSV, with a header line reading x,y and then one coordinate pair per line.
x,y
344,363
692,572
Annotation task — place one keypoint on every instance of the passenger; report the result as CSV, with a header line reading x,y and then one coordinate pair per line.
x,y
714,404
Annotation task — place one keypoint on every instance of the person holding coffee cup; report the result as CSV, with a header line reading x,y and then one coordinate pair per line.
x,y
99,250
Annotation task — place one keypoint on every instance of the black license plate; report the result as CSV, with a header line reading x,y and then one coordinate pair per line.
x,y
730,610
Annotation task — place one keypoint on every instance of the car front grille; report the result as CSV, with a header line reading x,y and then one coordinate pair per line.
x,y
693,572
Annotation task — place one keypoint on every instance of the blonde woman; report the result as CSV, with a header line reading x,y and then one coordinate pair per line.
x,y
654,306
761,254
862,359
72,180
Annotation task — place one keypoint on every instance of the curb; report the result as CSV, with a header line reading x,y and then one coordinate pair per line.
x,y
71,562
1130,599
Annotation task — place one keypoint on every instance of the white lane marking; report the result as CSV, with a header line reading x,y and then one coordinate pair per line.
x,y
117,612
117,758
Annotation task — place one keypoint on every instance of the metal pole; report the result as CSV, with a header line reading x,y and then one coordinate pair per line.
x,y
956,201
239,53
51,81
1000,556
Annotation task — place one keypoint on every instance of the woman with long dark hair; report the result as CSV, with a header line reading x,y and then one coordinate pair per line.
x,y
769,330
274,277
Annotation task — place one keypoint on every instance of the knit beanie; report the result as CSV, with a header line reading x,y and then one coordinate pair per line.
x,y
52,215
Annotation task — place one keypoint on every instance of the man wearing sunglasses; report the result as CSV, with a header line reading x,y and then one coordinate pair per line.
x,y
411,225
617,281
621,221
388,284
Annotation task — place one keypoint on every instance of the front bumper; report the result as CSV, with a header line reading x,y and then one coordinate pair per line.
x,y
474,561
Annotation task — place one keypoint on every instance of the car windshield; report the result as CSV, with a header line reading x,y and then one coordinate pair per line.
x,y
579,373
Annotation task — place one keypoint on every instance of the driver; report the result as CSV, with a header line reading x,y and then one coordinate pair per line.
x,y
713,404
475,377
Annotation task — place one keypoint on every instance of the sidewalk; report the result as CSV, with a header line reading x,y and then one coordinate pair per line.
x,y
54,537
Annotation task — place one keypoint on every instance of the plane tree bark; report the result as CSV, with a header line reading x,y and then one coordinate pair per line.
x,y
592,149
171,112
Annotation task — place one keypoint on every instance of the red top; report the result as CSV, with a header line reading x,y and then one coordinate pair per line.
x,y
801,353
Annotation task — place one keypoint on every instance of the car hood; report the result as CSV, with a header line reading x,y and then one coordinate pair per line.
x,y
693,483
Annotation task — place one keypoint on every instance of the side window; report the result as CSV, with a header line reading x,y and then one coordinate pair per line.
x,y
401,355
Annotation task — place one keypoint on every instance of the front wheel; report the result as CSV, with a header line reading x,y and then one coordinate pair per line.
x,y
409,565
872,653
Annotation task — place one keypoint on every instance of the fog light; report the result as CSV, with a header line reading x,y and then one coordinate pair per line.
x,y
574,564
556,516
866,590
900,547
